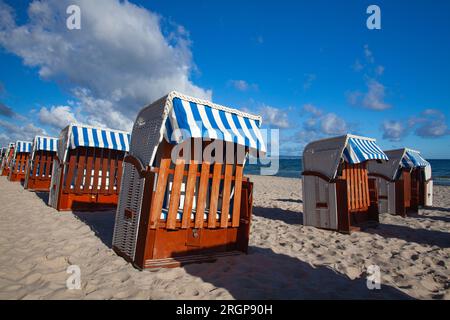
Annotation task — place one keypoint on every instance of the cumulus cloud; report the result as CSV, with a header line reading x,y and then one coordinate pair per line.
x,y
320,124
368,54
274,117
6,111
393,130
118,62
374,97
242,85
57,116
13,132
331,124
430,124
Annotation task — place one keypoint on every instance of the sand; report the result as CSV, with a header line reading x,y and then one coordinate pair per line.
x,y
286,260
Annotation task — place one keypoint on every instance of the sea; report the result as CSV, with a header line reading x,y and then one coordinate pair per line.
x,y
291,167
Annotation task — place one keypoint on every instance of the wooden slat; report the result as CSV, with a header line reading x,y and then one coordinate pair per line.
x,y
226,195
359,189
157,201
201,195
42,167
352,188
80,171
214,199
189,194
175,194
366,179
89,166
237,196
97,166
119,171
50,165
105,169
71,169
112,170
36,162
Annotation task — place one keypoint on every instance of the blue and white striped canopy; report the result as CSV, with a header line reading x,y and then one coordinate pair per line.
x,y
84,136
359,149
23,146
45,144
413,159
189,119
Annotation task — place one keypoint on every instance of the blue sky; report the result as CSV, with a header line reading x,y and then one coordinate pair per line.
x,y
310,68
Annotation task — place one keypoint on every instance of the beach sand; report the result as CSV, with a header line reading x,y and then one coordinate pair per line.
x,y
286,260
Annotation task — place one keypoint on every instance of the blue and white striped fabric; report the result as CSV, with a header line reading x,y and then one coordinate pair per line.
x,y
188,119
359,150
414,158
23,146
46,144
83,136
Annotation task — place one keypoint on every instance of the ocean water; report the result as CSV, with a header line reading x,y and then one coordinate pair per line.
x,y
291,167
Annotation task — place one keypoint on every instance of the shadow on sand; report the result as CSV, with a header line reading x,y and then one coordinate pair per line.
x,y
264,274
437,209
287,216
421,236
290,200
101,222
43,196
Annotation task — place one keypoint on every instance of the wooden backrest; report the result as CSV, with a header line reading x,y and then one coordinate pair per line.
x,y
41,165
358,197
20,162
212,188
93,170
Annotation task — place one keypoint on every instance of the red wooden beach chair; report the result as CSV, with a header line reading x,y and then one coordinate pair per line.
x,y
178,208
87,170
337,192
39,170
19,162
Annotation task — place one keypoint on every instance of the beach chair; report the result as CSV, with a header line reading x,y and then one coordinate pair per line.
x,y
9,154
179,207
39,169
404,182
337,192
87,168
19,162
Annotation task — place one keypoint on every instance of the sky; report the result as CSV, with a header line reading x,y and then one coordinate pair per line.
x,y
311,69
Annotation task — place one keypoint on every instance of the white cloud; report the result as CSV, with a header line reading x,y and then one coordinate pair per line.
x,y
379,70
393,130
13,132
331,124
320,124
374,98
274,117
119,61
242,85
57,116
310,108
430,124
368,54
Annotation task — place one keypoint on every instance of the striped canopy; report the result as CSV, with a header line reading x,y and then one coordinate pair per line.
x,y
203,119
85,136
413,159
23,146
45,143
360,149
